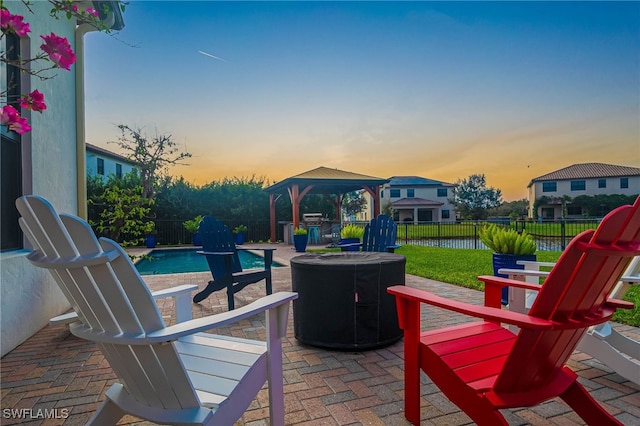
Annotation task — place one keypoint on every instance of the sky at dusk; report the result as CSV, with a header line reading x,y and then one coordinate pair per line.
x,y
441,90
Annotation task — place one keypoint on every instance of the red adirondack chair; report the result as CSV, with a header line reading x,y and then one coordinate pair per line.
x,y
483,367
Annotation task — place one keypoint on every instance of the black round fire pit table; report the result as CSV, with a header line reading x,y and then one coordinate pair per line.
x,y
342,300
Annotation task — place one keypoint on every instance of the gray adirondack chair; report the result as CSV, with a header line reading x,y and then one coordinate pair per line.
x,y
167,374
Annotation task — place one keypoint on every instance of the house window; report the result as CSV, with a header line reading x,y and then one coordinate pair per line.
x,y
602,183
100,166
549,187
578,185
624,183
446,214
442,192
411,193
394,193
118,170
382,194
10,152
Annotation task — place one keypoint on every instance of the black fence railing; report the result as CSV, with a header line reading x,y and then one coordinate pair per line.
x,y
552,235
173,232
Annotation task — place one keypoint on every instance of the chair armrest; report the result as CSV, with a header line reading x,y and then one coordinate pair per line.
x,y
182,299
532,264
276,301
181,295
493,288
265,249
215,253
523,272
486,312
414,295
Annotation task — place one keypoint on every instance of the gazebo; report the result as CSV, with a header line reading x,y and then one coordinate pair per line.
x,y
332,183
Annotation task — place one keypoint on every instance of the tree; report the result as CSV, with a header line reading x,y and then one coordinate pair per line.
x,y
124,215
472,198
352,203
151,156
512,209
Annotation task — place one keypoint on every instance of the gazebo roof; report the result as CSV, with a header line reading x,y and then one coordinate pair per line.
x,y
328,181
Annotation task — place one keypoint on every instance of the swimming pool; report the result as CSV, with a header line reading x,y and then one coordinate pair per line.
x,y
177,261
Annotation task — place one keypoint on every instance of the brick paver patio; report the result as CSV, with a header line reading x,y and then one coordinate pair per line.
x,y
56,374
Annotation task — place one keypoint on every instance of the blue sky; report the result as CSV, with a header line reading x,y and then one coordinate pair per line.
x,y
440,90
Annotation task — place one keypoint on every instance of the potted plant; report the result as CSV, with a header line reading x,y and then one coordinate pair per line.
x,y
350,237
239,233
151,235
300,239
508,248
192,227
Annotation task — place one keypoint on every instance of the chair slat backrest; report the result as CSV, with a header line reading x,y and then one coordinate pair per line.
x,y
379,234
110,298
573,294
217,238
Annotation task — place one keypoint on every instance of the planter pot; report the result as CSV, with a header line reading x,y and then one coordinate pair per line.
x,y
300,243
508,261
197,239
354,241
150,241
239,239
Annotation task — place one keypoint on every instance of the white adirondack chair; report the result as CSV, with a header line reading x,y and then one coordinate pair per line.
x,y
168,375
618,351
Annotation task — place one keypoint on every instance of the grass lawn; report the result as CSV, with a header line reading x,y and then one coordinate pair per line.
x,y
462,266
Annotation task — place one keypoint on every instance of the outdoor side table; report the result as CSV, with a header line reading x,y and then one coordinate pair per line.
x,y
343,301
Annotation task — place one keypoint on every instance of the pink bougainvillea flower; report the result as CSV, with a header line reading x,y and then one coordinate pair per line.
x,y
9,117
92,12
13,23
59,50
33,101
8,114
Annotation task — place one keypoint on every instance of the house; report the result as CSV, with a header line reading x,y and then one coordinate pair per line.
x,y
48,161
417,199
579,179
102,162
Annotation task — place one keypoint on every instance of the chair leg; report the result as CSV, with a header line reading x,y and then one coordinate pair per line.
x,y
579,399
107,414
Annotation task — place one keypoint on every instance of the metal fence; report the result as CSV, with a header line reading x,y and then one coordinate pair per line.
x,y
172,232
551,235
548,235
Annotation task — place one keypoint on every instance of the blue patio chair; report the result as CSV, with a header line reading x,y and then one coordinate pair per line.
x,y
219,247
379,236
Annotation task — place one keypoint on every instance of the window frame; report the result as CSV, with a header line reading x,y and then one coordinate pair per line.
x,y
13,147
579,185
442,192
546,186
393,192
624,183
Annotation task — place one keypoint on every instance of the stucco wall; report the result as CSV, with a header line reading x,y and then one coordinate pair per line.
x,y
29,296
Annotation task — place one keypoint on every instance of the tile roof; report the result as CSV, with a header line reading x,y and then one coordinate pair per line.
x,y
588,171
415,181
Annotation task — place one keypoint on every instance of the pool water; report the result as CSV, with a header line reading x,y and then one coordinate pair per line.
x,y
178,261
